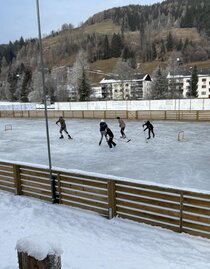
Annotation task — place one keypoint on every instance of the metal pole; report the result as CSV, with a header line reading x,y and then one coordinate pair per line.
x,y
45,102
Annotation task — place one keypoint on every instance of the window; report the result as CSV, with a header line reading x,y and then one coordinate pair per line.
x,y
203,79
203,93
203,86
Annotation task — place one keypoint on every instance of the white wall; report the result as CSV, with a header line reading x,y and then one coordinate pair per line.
x,y
176,104
182,104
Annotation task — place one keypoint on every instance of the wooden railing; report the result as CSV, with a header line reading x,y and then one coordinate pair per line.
x,y
175,209
184,115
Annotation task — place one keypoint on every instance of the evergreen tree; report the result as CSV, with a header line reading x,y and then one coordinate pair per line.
x,y
106,48
193,90
159,89
116,45
25,85
84,88
169,42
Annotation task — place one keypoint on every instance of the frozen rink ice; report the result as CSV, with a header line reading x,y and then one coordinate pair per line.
x,y
162,160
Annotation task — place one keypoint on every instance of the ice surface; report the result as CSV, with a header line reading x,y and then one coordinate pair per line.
x,y
163,160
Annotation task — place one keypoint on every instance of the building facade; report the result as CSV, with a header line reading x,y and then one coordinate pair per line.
x,y
180,83
134,88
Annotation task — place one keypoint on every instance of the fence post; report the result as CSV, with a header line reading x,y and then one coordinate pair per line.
x,y
50,262
181,212
38,253
16,173
111,199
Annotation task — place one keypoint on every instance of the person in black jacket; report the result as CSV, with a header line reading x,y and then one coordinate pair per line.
x,y
63,127
150,128
103,127
111,136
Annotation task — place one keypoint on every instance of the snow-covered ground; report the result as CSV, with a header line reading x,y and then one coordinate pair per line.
x,y
89,241
163,160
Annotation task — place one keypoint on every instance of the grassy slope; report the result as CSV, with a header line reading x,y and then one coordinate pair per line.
x,y
107,27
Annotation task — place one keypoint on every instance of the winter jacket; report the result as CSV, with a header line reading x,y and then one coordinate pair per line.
x,y
109,133
121,123
103,126
148,125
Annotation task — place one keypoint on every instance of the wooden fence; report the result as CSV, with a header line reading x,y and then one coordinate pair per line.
x,y
184,115
175,209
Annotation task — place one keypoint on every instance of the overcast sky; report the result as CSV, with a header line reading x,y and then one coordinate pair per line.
x,y
19,17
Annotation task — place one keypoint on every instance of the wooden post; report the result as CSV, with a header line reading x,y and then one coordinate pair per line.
x,y
50,262
181,212
16,172
111,199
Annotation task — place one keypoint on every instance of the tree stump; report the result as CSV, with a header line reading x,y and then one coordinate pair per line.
x,y
28,262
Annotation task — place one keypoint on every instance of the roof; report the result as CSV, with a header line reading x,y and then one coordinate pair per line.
x,y
135,77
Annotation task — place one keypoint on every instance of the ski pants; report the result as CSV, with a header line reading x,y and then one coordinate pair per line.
x,y
103,133
122,132
111,142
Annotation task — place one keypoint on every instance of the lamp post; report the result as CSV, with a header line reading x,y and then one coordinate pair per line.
x,y
45,104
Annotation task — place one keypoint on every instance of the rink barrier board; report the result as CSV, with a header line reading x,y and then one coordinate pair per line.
x,y
176,209
181,115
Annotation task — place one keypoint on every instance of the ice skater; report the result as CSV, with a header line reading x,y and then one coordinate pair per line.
x,y
150,128
63,127
122,127
103,127
111,136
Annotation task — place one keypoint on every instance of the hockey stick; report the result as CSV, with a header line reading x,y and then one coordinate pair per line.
x,y
69,136
146,141
125,141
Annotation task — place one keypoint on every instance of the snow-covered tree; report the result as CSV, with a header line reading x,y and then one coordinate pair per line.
x,y
159,89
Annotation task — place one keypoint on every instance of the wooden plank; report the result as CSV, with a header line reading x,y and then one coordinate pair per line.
x,y
147,201
189,194
196,202
7,179
196,233
196,210
85,201
35,185
196,226
196,218
83,182
83,188
36,191
84,195
88,114
84,177
142,207
6,173
168,197
6,168
145,215
35,179
103,212
148,187
9,189
150,222
34,173
37,196
8,184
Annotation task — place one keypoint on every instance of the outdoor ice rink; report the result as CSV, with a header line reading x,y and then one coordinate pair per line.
x,y
163,160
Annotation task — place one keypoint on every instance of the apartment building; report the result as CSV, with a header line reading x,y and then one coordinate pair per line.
x,y
134,88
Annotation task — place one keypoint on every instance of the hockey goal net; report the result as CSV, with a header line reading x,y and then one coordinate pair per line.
x,y
180,136
8,127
